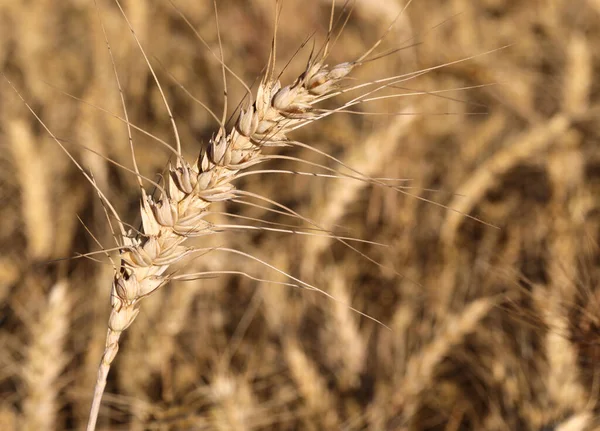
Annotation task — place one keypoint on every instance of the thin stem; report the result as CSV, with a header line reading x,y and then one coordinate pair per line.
x,y
98,392
110,351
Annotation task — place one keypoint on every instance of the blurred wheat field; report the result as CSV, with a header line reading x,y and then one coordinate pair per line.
x,y
491,328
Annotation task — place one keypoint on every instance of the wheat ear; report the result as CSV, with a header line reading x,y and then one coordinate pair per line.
x,y
179,212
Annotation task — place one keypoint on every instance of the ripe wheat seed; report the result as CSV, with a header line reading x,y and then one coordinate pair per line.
x,y
181,206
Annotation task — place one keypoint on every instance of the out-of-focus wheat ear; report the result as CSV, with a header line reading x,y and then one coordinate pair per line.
x,y
341,193
393,350
235,403
282,315
535,140
494,420
345,346
583,421
422,366
311,384
36,191
567,171
45,361
176,313
395,345
87,176
9,274
578,76
377,416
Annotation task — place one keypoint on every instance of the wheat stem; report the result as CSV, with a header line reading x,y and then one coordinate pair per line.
x,y
110,351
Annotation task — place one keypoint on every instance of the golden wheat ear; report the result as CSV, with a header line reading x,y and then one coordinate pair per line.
x,y
180,211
